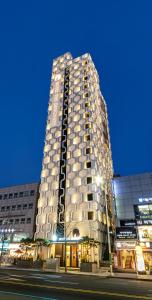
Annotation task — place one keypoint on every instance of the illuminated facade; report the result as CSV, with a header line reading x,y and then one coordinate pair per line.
x,y
77,164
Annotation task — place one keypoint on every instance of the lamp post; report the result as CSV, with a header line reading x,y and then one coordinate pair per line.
x,y
108,236
100,180
65,243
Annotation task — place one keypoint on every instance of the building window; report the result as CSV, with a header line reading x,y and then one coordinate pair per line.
x,y
76,232
7,208
32,192
15,195
90,197
85,78
13,207
22,221
85,62
86,104
24,206
87,137
88,164
11,221
86,95
89,180
21,194
88,150
87,125
26,193
5,196
18,207
3,208
1,222
90,215
85,86
16,221
10,196
87,115
30,205
1,197
28,220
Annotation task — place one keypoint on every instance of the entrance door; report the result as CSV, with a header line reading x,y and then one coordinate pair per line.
x,y
68,255
74,260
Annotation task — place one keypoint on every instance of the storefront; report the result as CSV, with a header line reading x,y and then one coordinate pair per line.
x,y
126,241
126,255
76,252
145,239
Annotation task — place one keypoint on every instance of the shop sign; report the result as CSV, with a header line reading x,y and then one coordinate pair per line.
x,y
145,233
74,239
145,200
125,245
131,223
146,245
127,223
143,211
144,222
126,233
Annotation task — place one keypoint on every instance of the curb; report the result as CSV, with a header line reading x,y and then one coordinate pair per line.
x,y
130,278
79,273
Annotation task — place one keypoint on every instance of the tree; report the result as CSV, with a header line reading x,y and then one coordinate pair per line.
x,y
27,243
39,244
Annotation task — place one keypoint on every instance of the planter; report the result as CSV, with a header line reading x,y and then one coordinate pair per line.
x,y
24,263
52,264
38,264
88,267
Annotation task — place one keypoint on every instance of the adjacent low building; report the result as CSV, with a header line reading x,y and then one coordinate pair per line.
x,y
133,196
18,207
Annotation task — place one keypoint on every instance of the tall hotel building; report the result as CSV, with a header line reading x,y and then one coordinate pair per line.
x,y
77,164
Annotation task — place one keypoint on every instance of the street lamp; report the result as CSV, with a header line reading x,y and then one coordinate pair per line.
x,y
100,180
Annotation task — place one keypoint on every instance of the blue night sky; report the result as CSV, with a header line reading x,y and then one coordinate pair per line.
x,y
118,35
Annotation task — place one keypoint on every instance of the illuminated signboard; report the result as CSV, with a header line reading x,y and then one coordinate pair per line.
x,y
127,223
142,200
143,211
143,222
126,233
140,222
129,245
145,234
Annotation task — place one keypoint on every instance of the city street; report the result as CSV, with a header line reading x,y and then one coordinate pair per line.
x,y
28,285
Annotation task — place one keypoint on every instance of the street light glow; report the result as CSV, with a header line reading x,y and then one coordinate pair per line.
x,y
99,180
54,238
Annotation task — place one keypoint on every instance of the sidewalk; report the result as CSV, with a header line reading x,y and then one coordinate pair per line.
x,y
131,276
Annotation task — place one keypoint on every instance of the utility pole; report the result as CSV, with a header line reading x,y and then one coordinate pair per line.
x,y
65,244
108,236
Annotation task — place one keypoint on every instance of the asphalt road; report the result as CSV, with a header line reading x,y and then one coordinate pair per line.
x,y
30,285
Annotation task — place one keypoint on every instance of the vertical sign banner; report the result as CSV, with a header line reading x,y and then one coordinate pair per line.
x,y
140,264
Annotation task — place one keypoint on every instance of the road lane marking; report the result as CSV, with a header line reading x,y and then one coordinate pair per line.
x,y
69,289
26,295
68,282
15,279
48,275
